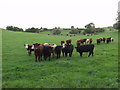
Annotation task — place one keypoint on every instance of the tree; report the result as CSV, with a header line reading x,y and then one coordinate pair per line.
x,y
72,27
33,30
75,31
12,28
89,28
117,25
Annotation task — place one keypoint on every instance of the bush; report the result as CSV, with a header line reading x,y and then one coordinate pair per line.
x,y
75,31
56,32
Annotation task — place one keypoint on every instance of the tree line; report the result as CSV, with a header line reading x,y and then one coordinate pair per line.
x,y
89,29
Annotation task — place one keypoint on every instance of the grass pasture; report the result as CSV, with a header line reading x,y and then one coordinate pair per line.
x,y
21,71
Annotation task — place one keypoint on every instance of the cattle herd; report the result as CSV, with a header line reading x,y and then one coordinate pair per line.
x,y
46,50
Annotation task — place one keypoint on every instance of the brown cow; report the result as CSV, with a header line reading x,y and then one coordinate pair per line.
x,y
98,41
38,51
68,41
83,40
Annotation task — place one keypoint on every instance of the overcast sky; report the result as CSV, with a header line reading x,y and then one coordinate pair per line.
x,y
59,13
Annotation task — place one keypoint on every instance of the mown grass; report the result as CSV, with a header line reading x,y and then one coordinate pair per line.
x,y
21,70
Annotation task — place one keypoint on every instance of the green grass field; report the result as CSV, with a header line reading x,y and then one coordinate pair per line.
x,y
21,71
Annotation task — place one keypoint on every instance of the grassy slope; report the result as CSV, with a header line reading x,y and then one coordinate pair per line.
x,y
21,70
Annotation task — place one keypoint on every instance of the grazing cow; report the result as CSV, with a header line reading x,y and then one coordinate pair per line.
x,y
68,41
85,48
58,50
68,49
38,51
47,52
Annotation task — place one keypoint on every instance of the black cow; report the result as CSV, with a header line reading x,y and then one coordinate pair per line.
x,y
108,40
85,48
47,52
58,50
68,49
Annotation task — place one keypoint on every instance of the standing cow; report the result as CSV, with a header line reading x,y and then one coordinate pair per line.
x,y
58,50
110,39
38,51
68,50
29,48
47,52
68,41
85,48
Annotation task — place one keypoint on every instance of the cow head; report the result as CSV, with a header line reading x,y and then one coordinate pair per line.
x,y
36,45
76,49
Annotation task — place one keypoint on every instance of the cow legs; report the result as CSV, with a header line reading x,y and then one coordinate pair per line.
x,y
81,54
65,54
49,58
53,54
39,58
70,54
36,58
92,53
29,52
89,54
59,55
44,57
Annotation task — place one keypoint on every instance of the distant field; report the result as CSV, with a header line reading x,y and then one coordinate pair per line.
x,y
21,70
